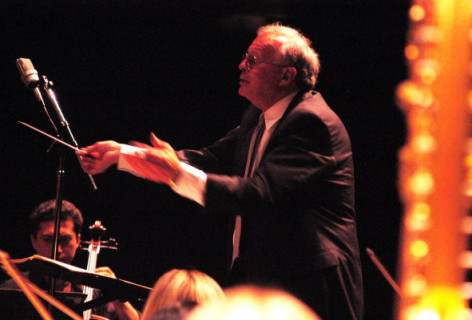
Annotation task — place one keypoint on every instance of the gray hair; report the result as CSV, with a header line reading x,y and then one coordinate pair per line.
x,y
296,51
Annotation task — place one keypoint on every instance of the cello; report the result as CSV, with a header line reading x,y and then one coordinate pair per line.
x,y
93,247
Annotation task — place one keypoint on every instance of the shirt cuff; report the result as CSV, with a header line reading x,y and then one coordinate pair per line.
x,y
129,151
191,183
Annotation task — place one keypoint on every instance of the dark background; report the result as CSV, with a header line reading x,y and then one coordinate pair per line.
x,y
125,68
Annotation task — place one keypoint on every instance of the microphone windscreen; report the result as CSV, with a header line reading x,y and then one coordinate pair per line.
x,y
28,73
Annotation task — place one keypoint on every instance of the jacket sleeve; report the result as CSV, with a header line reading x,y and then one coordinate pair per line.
x,y
217,158
298,158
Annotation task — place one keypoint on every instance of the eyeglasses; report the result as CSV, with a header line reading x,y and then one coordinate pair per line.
x,y
251,61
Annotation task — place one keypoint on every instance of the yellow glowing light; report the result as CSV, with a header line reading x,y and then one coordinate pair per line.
x,y
415,286
468,160
417,13
427,315
421,183
424,143
412,52
468,189
418,219
428,98
426,34
439,60
468,165
411,313
427,74
410,93
414,224
421,210
419,249
440,303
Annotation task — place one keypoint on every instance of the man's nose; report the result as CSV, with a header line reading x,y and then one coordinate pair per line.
x,y
242,65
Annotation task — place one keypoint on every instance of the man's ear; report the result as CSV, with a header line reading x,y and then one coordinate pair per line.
x,y
288,75
33,241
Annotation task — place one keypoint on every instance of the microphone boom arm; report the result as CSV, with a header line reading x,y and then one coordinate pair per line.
x,y
63,122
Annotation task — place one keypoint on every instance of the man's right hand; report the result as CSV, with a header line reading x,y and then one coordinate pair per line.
x,y
98,157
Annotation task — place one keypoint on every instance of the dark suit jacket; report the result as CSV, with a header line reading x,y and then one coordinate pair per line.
x,y
298,208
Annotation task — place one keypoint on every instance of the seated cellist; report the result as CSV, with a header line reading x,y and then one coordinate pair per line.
x,y
42,238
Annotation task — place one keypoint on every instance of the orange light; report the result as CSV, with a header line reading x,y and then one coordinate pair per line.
x,y
419,218
419,249
441,303
468,160
421,210
412,52
426,34
424,143
421,183
468,188
417,13
427,74
416,286
411,93
433,164
427,314
422,121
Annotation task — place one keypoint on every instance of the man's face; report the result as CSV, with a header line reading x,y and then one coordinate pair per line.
x,y
260,84
68,240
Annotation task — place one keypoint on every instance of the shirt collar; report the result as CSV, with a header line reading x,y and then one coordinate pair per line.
x,y
274,113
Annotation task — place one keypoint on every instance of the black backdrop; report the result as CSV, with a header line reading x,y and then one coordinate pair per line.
x,y
124,68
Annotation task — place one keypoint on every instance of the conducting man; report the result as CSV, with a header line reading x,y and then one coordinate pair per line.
x,y
285,174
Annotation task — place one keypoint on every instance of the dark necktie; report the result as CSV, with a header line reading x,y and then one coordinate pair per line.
x,y
254,145
251,159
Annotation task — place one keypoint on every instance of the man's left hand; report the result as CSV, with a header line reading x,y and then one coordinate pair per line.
x,y
160,163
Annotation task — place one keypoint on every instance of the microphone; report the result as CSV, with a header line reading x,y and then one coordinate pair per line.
x,y
29,76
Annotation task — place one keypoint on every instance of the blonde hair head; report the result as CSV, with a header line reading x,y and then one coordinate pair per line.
x,y
179,285
251,302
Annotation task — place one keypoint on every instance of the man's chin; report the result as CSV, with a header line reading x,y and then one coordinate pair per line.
x,y
241,92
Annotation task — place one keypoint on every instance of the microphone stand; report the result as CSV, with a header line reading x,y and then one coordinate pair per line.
x,y
31,79
65,131
64,127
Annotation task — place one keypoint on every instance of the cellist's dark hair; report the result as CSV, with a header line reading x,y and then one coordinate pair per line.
x,y
46,210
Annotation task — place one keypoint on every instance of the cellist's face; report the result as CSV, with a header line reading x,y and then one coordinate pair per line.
x,y
68,241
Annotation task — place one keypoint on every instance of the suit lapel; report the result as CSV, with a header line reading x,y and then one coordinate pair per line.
x,y
295,101
249,123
